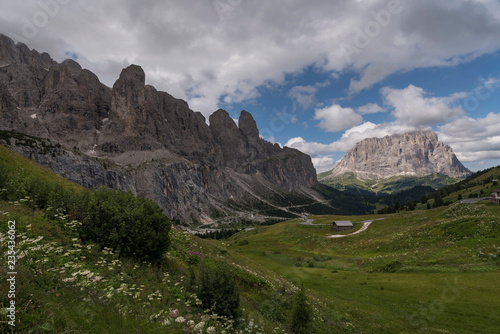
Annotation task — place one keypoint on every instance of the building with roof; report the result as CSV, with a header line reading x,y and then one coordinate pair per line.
x,y
495,197
342,225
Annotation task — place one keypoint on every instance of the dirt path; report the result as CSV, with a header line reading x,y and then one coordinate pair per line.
x,y
363,228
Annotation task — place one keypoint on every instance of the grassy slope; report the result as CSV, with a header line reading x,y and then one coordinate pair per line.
x,y
482,186
23,166
422,271
477,185
65,286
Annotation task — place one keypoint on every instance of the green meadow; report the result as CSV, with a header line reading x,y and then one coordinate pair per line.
x,y
431,271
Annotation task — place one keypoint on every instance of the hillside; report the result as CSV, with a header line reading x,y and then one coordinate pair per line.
x,y
361,283
478,185
351,184
59,277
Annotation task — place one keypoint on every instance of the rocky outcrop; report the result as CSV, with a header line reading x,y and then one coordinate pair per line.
x,y
57,101
416,153
134,137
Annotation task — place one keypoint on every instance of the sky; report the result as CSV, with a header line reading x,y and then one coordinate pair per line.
x,y
317,75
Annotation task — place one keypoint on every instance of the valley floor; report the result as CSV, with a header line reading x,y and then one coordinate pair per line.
x,y
422,272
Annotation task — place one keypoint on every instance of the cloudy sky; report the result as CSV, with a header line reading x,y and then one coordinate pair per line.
x,y
318,75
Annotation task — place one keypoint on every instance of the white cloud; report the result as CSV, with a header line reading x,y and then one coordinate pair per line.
x,y
311,148
335,118
413,107
303,95
473,139
192,51
370,108
324,163
368,130
490,82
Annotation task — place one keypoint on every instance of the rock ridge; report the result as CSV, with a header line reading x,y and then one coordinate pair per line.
x,y
134,137
417,153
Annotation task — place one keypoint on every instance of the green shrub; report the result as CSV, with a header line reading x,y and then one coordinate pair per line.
x,y
3,175
133,226
301,317
217,289
276,307
392,266
4,178
243,242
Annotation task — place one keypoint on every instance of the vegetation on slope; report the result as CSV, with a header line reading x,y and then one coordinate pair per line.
x,y
479,184
280,205
393,276
134,227
351,184
65,284
412,272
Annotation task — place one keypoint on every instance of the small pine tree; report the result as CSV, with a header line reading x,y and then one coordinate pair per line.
x,y
423,199
300,322
438,202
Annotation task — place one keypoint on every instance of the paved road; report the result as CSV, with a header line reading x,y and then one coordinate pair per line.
x,y
308,221
473,200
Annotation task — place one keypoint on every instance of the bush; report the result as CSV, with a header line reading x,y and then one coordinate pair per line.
x,y
217,289
392,266
133,226
4,178
243,242
300,321
277,305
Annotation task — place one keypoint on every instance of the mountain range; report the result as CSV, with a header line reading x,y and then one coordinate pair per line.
x,y
134,137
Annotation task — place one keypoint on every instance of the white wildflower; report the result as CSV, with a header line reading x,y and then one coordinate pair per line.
x,y
173,313
69,279
191,324
199,327
180,320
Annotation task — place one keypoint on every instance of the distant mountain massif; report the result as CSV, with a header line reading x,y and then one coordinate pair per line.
x,y
395,163
134,137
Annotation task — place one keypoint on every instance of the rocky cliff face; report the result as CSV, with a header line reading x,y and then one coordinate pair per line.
x,y
136,138
411,154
